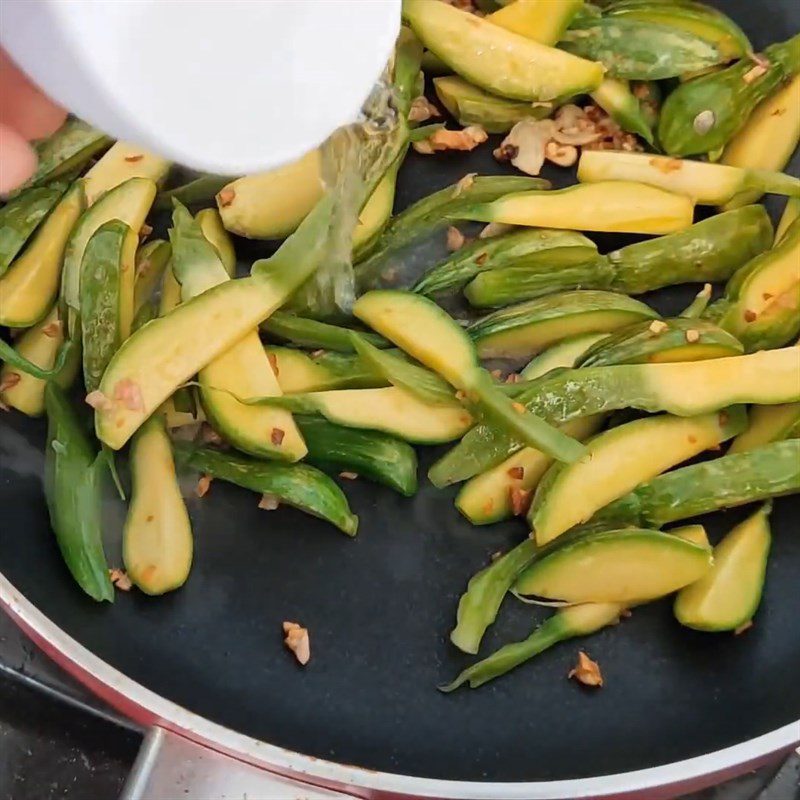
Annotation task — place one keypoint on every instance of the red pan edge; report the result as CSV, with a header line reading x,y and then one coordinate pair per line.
x,y
149,709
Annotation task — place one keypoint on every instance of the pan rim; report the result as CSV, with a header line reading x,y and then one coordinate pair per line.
x,y
148,708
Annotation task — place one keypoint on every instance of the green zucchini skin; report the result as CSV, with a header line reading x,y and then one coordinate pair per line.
x,y
298,485
637,344
20,218
100,300
69,149
594,390
720,29
725,99
759,321
68,354
313,334
710,250
370,454
427,216
732,480
636,50
698,489
581,620
536,247
73,490
521,321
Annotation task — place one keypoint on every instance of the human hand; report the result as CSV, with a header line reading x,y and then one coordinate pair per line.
x,y
25,115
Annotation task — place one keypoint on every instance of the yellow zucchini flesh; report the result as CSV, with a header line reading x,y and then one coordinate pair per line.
x,y
607,206
496,59
618,460
728,595
624,566
157,540
31,284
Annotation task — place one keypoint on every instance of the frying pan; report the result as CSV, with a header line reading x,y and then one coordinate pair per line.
x,y
679,708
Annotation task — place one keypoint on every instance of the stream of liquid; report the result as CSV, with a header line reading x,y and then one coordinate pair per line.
x,y
354,159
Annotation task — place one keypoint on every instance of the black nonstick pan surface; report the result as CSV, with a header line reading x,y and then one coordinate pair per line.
x,y
379,609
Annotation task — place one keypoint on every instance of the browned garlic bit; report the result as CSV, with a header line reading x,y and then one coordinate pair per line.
x,y
657,327
754,74
297,641
348,476
495,229
465,5
520,500
129,395
120,579
10,381
422,110
564,155
525,145
455,239
98,401
465,183
208,435
226,197
52,329
203,485
666,165
134,159
692,336
586,671
467,139
268,502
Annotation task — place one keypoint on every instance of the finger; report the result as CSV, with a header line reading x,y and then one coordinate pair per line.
x,y
17,159
25,108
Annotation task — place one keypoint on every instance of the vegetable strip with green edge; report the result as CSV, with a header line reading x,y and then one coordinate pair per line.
x,y
243,370
633,49
157,537
167,352
733,480
704,114
472,106
498,60
73,490
684,389
425,331
548,249
198,190
100,299
706,184
67,351
697,18
426,217
677,339
368,454
581,620
20,218
312,334
69,148
710,250
297,485
426,385
761,306
725,482
608,206
478,606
